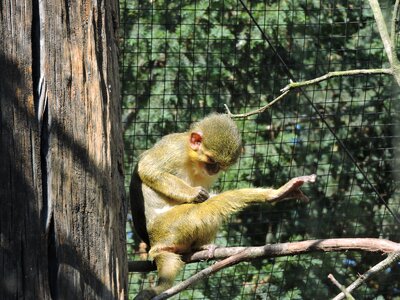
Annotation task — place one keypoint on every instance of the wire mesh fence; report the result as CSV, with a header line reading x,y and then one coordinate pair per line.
x,y
181,60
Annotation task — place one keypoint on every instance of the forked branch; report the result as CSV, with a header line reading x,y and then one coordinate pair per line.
x,y
383,265
341,287
233,255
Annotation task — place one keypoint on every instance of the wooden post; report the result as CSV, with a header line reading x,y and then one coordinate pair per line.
x,y
62,202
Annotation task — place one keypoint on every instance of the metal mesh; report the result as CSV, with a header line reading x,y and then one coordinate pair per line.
x,y
183,59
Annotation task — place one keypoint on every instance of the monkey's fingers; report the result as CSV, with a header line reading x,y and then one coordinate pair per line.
x,y
293,194
299,181
202,196
296,183
291,190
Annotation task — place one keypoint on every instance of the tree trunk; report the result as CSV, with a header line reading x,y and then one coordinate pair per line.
x,y
62,203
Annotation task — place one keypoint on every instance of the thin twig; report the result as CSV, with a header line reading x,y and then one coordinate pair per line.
x,y
329,75
257,111
293,85
341,287
384,264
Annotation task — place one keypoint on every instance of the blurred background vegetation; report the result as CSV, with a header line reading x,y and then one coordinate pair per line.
x,y
183,59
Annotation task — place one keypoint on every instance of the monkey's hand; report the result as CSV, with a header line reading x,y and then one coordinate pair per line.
x,y
291,190
202,195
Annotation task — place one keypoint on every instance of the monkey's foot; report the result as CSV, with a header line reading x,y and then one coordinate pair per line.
x,y
210,248
146,294
291,190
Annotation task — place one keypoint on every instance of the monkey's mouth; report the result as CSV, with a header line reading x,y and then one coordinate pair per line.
x,y
212,168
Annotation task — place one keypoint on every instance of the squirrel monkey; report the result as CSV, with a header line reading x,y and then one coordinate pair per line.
x,y
169,189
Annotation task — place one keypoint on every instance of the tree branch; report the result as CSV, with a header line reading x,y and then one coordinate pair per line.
x,y
234,255
393,24
282,249
387,40
380,22
227,262
387,262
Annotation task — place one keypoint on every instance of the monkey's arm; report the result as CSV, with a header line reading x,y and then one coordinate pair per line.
x,y
176,189
171,186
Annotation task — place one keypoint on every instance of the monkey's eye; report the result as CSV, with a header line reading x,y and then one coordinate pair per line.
x,y
212,168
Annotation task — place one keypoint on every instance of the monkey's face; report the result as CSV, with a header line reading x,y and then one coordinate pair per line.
x,y
216,143
206,161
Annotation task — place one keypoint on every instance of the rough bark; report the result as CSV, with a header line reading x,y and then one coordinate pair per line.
x,y
62,208
23,251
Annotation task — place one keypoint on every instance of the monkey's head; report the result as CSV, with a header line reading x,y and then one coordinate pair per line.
x,y
215,143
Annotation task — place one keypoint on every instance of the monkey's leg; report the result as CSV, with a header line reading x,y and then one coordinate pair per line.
x,y
190,226
168,265
228,202
291,190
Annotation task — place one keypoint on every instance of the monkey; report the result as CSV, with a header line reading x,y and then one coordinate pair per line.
x,y
181,168
172,208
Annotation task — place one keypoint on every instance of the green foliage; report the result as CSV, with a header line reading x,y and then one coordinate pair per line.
x,y
184,59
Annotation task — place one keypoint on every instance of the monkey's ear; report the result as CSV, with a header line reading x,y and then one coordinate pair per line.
x,y
195,139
